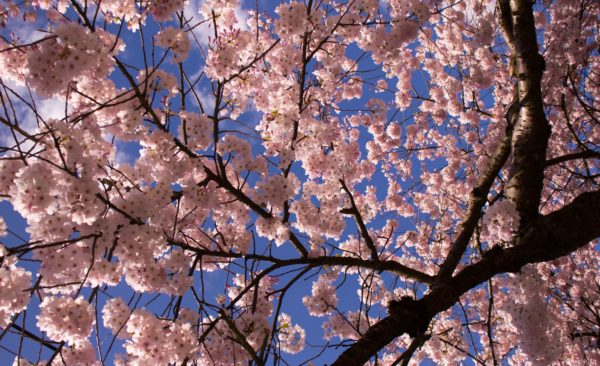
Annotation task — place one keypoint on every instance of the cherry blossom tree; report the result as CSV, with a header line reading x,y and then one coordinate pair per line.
x,y
347,182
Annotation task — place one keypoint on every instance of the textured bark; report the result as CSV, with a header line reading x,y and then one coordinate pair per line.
x,y
547,238
531,132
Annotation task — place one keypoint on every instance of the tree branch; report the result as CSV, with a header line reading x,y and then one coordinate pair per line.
x,y
382,265
360,222
587,154
547,238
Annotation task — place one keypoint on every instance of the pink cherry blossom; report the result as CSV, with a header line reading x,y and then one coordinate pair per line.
x,y
65,319
224,182
176,40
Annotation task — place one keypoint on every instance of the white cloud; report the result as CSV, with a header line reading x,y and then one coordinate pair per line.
x,y
122,156
51,108
206,98
202,31
125,152
26,118
21,111
205,30
242,16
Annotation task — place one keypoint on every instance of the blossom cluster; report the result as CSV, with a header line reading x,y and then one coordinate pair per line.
x,y
176,40
500,221
197,131
3,227
323,298
292,19
65,319
78,354
115,314
272,229
163,10
121,9
14,283
347,326
529,316
74,52
291,336
221,12
13,62
160,80
229,52
277,189
157,341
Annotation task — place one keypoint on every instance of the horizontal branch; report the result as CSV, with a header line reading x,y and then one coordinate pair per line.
x,y
27,247
386,265
587,154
